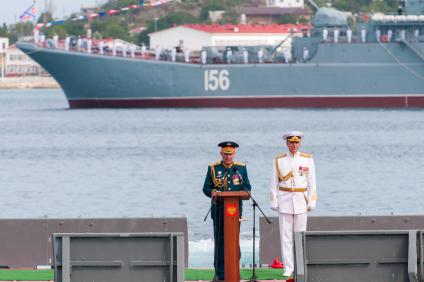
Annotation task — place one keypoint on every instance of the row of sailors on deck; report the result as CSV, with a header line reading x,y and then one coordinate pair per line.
x,y
230,58
388,37
86,45
129,50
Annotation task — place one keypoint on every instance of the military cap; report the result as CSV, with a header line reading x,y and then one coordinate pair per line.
x,y
293,136
228,147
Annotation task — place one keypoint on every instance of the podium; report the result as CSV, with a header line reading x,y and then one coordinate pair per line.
x,y
231,232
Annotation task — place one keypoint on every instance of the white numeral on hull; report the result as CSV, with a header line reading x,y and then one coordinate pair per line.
x,y
217,80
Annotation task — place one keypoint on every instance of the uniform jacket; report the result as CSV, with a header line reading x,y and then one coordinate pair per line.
x,y
296,171
222,178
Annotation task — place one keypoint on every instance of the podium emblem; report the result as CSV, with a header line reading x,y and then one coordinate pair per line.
x,y
231,210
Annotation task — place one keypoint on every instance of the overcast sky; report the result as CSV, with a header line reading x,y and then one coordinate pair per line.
x,y
10,10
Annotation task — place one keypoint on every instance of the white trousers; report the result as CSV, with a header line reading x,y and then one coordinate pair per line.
x,y
290,223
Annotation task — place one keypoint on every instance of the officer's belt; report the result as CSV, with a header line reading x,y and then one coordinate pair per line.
x,y
286,189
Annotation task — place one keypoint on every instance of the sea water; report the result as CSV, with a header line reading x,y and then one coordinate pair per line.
x,y
57,162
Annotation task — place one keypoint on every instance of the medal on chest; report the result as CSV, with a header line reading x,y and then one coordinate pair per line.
x,y
303,170
236,180
219,176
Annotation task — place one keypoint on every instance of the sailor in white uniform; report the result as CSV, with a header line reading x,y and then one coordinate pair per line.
x,y
36,34
402,35
56,40
245,56
124,50
389,35
229,55
143,50
260,55
101,46
363,34
305,54
79,43
89,45
324,34
204,56
132,50
173,54
114,47
349,34
378,34
293,193
67,42
417,34
336,35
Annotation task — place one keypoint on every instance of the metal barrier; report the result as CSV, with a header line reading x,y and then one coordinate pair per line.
x,y
359,256
27,243
111,257
269,244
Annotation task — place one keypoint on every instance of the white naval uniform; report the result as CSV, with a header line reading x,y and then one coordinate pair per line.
x,y
378,35
363,35
324,34
389,35
292,171
349,35
336,35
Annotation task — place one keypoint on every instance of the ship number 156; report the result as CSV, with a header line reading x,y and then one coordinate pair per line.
x,y
217,80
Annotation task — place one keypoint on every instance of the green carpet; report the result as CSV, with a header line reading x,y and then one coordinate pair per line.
x,y
26,275
261,274
190,275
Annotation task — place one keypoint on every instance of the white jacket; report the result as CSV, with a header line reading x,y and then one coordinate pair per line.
x,y
296,172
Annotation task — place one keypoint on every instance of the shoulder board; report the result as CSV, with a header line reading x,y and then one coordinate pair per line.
x,y
238,163
305,155
215,163
281,156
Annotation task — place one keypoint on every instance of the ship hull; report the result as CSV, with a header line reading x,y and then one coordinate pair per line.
x,y
90,80
257,102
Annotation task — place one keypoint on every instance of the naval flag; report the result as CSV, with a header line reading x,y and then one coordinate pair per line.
x,y
29,14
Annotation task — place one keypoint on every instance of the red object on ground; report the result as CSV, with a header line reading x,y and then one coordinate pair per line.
x,y
276,264
384,38
290,280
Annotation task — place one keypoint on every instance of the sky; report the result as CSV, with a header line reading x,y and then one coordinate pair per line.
x,y
10,10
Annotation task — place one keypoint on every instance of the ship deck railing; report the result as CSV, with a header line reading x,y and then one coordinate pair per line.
x,y
416,44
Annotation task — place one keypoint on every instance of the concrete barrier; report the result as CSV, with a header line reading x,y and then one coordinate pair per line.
x,y
28,242
269,245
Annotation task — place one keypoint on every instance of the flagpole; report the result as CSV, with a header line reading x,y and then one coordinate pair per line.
x,y
22,29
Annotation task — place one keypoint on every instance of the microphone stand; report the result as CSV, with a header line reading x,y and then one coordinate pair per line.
x,y
254,204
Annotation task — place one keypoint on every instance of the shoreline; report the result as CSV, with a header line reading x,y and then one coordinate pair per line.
x,y
28,82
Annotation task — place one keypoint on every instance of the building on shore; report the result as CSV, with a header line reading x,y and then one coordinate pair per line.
x,y
195,36
4,45
18,63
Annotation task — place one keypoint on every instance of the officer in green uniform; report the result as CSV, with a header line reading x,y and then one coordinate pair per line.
x,y
224,175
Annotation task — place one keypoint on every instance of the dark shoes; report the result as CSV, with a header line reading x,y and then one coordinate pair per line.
x,y
217,279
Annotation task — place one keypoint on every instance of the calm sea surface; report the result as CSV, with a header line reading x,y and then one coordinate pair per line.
x,y
57,162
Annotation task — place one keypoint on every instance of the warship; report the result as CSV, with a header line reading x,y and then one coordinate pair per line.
x,y
380,65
